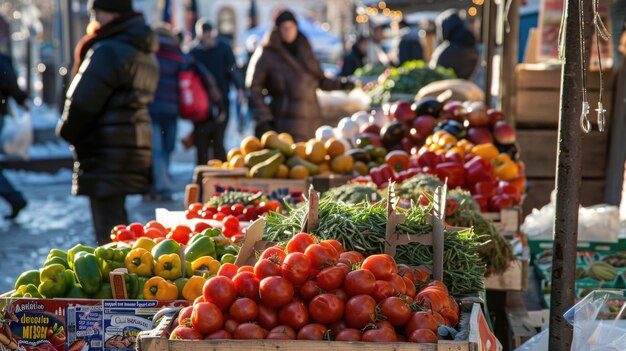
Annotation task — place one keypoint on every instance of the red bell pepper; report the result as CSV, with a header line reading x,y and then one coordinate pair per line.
x,y
478,170
455,173
482,202
414,161
412,172
500,201
428,170
486,189
428,159
387,173
377,176
508,189
454,156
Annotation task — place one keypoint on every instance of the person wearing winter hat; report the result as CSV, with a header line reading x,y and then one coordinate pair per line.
x,y
106,117
284,68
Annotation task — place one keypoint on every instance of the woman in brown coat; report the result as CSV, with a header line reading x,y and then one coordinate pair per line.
x,y
285,70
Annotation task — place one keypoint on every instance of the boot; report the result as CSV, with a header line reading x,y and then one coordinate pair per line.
x,y
17,202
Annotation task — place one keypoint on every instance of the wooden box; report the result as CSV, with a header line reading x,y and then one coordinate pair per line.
x,y
507,221
538,94
515,278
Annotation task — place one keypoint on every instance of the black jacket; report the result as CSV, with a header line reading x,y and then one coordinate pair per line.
x,y
458,48
220,61
8,85
106,112
171,59
351,62
410,47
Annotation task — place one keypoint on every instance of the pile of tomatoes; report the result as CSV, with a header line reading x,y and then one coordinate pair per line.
x,y
312,290
156,231
243,213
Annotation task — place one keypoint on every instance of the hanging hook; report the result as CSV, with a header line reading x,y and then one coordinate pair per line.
x,y
585,124
601,117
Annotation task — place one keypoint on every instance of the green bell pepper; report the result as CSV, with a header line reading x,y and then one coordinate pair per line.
x,y
210,232
204,246
71,253
226,250
57,253
104,293
76,292
110,259
88,272
28,277
141,281
180,284
53,281
132,285
56,256
27,291
228,258
165,247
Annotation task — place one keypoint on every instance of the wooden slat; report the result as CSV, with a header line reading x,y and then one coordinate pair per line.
x,y
515,278
538,151
537,76
591,193
540,107
520,325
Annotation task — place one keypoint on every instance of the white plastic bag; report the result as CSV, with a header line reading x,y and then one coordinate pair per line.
x,y
17,132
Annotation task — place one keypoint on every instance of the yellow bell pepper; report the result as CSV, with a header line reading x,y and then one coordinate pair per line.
x,y
206,263
169,267
487,151
157,288
505,168
139,261
144,243
193,288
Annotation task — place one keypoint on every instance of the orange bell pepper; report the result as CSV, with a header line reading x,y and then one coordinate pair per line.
x,y
505,168
487,151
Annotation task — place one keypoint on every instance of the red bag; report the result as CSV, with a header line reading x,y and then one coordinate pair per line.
x,y
192,95
194,100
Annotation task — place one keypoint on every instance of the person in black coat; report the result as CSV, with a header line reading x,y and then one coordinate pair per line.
x,y
458,45
355,58
9,88
106,117
410,46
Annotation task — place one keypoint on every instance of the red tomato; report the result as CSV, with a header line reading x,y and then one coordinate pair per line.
x,y
326,308
382,290
432,298
282,332
341,294
275,291
124,235
330,278
438,317
294,315
184,316
153,233
331,250
336,327
274,205
300,242
312,332
230,326
236,209
396,311
275,253
206,318
384,324
251,213
265,268
198,299
185,333
219,216
360,310
219,335
268,317
156,225
245,269
224,209
406,272
380,335
296,268
349,334
359,282
383,266
228,270
451,317
230,232
309,290
201,226
423,336
243,310
320,256
436,284
410,287
420,320
262,208
398,284
246,285
219,290
181,234
194,207
237,238
336,244
230,222
249,331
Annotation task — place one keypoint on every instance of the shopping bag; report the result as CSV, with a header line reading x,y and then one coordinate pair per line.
x,y
16,136
194,100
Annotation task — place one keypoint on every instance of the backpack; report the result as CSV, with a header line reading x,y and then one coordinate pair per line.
x,y
193,99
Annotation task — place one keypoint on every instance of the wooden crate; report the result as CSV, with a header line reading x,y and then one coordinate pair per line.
x,y
538,151
507,221
538,94
591,193
515,278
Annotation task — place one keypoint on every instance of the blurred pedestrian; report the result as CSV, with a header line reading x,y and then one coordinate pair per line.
x,y
106,118
376,53
409,47
217,56
9,88
355,58
285,69
164,112
457,48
